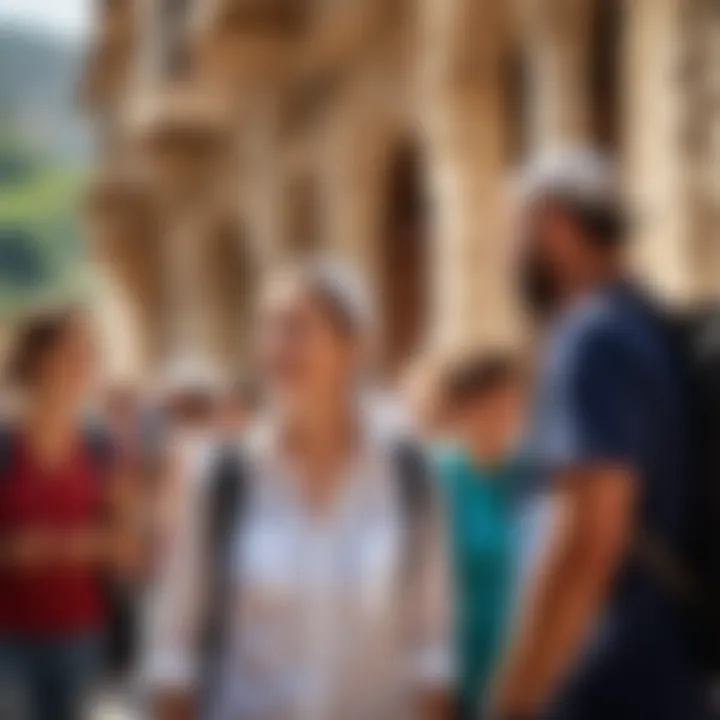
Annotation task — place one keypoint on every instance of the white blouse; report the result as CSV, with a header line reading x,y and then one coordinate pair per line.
x,y
328,622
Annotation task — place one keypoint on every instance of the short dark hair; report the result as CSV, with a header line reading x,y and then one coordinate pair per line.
x,y
604,224
35,340
476,376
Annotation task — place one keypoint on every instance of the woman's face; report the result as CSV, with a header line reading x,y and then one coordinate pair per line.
x,y
68,368
303,356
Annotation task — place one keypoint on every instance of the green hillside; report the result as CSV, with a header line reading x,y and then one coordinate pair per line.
x,y
43,153
40,251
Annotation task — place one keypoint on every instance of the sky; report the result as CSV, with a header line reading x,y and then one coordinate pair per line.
x,y
64,17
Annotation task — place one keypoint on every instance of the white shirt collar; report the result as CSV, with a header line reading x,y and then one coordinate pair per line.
x,y
380,424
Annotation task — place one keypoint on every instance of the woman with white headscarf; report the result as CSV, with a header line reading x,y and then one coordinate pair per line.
x,y
320,583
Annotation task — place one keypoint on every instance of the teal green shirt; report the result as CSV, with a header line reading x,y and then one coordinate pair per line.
x,y
478,501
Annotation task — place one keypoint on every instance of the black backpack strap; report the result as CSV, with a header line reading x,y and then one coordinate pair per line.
x,y
7,438
99,446
226,499
414,476
95,440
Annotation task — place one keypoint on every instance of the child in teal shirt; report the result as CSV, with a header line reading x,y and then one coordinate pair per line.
x,y
478,477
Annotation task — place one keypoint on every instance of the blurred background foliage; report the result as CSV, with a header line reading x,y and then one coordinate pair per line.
x,y
41,175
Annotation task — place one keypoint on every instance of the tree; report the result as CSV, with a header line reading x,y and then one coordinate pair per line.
x,y
40,251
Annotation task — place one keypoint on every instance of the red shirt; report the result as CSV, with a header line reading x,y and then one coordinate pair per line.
x,y
49,600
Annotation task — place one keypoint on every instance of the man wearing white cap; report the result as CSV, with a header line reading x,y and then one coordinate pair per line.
x,y
598,635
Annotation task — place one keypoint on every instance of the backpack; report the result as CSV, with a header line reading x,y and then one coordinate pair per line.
x,y
699,340
690,575
227,496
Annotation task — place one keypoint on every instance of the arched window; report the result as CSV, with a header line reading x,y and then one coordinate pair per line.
x,y
605,68
177,55
302,226
516,105
404,282
232,286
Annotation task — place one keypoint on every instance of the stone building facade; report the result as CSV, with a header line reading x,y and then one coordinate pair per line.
x,y
236,133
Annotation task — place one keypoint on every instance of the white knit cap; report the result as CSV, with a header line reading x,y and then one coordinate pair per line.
x,y
583,175
340,282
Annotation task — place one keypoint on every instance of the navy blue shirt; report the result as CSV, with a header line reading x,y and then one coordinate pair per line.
x,y
611,390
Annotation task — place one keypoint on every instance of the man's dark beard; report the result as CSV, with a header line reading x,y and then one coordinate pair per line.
x,y
539,286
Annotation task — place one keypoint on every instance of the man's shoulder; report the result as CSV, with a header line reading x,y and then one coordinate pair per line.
x,y
605,333
607,323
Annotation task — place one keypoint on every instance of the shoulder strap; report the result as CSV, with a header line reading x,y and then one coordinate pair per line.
x,y
414,478
413,475
681,585
226,498
7,435
99,447
95,440
225,495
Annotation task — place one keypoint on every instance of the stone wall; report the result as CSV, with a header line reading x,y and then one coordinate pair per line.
x,y
325,106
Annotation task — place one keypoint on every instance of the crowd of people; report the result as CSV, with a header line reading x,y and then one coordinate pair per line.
x,y
300,546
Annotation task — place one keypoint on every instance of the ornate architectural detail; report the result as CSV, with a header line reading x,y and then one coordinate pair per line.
x,y
280,119
701,84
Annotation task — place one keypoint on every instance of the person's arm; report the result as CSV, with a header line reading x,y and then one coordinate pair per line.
x,y
171,663
174,705
29,549
126,549
26,549
591,524
437,705
590,439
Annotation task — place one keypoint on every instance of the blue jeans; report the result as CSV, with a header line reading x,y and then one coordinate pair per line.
x,y
47,680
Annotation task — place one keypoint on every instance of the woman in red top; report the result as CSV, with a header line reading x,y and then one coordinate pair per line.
x,y
57,529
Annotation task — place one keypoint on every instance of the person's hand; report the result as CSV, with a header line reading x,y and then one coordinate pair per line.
x,y
174,706
80,547
496,711
499,705
28,550
435,705
126,557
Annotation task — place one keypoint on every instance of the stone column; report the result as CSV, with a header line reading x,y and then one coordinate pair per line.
x,y
701,83
558,37
354,168
466,132
262,185
121,327
118,222
187,298
245,51
654,158
372,118
185,164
